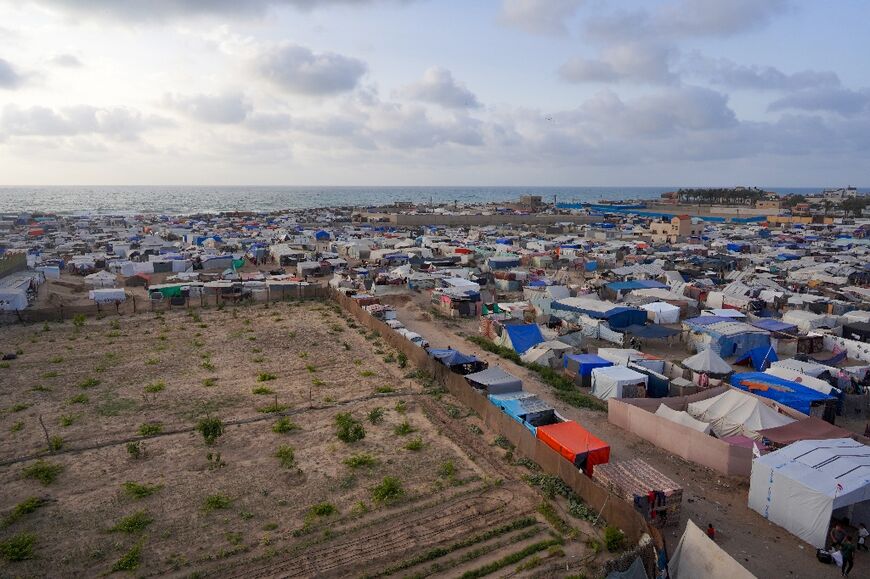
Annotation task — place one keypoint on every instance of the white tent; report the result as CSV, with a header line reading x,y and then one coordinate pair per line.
x,y
734,412
13,299
681,417
610,381
662,313
107,295
800,486
101,279
697,556
707,361
802,379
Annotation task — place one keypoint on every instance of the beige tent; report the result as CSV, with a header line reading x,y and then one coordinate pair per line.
x,y
683,418
734,412
697,556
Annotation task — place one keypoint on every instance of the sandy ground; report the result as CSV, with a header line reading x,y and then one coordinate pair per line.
x,y
95,385
763,548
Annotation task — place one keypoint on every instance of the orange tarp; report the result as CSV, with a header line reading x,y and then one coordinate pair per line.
x,y
576,444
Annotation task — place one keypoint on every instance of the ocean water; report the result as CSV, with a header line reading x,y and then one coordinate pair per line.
x,y
130,200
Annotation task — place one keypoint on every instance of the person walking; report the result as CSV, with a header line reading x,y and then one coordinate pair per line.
x,y
863,533
711,532
848,551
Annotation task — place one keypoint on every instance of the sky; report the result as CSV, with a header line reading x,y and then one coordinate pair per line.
x,y
435,92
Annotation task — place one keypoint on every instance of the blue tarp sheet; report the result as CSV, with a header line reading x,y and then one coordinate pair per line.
x,y
651,331
707,320
524,336
785,392
586,362
775,326
636,284
591,265
761,357
451,357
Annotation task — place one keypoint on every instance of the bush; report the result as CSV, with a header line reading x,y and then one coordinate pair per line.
x,y
79,399
384,389
25,507
136,450
323,509
130,560
140,491
284,425
286,456
79,320
134,523
613,539
390,489
43,471
265,377
150,429
89,383
376,415
55,443
18,547
262,390
210,428
348,428
216,502
403,360
67,419
155,387
403,428
361,460
209,382
415,444
447,469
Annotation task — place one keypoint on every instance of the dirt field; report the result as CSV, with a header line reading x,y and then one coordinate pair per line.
x,y
763,548
120,399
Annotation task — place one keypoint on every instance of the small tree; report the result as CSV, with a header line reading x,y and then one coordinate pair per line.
x,y
210,428
348,428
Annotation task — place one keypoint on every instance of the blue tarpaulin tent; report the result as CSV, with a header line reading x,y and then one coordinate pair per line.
x,y
524,336
784,391
651,331
761,357
585,363
450,357
775,326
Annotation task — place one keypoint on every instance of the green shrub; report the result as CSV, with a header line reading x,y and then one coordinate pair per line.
x,y
348,428
323,509
5,364
150,429
403,360
156,387
384,389
376,415
67,419
284,425
613,539
130,560
286,456
136,450
403,428
140,491
89,383
216,502
209,382
367,373
43,471
79,399
401,407
18,547
390,489
55,443
134,523
210,428
415,444
79,320
362,460
447,469
17,426
25,507
262,390
19,407
272,408
265,377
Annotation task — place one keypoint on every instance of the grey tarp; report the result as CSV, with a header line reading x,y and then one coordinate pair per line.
x,y
707,361
697,556
495,381
636,571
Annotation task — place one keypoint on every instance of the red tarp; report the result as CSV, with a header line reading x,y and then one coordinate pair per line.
x,y
576,444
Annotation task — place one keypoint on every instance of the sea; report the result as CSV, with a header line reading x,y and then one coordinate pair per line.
x,y
185,200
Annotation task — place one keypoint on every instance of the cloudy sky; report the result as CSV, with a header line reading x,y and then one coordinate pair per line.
x,y
435,92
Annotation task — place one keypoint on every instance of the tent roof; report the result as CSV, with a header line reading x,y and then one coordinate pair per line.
x,y
697,556
494,376
524,336
810,428
734,412
450,357
681,417
783,391
618,373
651,331
707,361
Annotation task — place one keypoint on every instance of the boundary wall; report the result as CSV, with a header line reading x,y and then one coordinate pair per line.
x,y
614,509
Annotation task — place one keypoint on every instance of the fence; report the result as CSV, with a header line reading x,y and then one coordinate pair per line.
x,y
136,304
614,509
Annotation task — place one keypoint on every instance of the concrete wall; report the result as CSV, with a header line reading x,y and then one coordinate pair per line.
x,y
616,511
12,262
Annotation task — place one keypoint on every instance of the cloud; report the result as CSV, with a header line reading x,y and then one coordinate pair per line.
x,y
539,16
631,61
724,72
297,69
439,87
225,108
717,18
9,77
161,10
116,122
66,61
842,101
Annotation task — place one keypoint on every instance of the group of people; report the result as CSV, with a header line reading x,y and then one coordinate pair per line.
x,y
843,549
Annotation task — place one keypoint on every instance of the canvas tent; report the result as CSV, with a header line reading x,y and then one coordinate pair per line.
x,y
521,337
662,313
786,392
809,428
734,412
697,556
576,444
614,381
682,417
495,381
824,477
707,361
580,366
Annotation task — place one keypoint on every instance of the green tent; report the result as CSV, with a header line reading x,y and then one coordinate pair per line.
x,y
238,263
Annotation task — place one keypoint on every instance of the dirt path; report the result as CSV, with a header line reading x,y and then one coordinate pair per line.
x,y
763,548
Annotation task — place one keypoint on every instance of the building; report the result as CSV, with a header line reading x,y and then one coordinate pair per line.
x,y
840,194
773,205
679,228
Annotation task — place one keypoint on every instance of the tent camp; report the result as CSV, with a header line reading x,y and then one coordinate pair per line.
x,y
580,366
682,417
697,556
495,381
809,428
734,412
825,477
521,337
457,361
662,313
546,353
576,444
616,381
707,361
527,409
